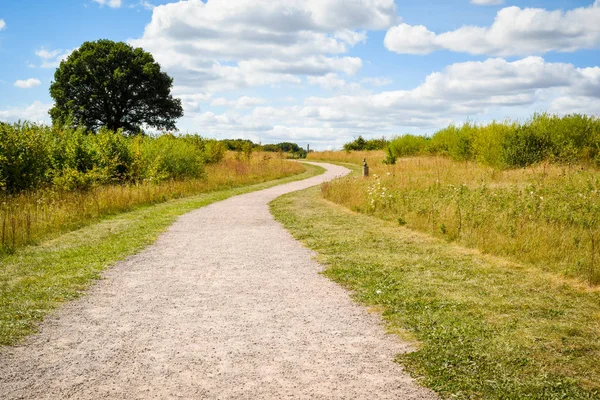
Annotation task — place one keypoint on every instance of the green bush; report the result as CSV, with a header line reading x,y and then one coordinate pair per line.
x,y
24,156
488,143
408,145
525,146
455,142
34,156
569,139
360,144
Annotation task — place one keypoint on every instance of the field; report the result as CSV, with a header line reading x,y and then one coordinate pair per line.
x,y
546,216
482,327
493,272
54,180
28,218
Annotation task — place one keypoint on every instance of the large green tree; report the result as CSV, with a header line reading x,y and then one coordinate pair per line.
x,y
111,84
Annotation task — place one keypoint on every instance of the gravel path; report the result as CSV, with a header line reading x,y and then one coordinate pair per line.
x,y
226,304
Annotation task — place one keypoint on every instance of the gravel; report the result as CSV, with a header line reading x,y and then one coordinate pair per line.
x,y
225,305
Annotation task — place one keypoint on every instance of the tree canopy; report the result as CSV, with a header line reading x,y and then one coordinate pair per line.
x,y
361,144
113,85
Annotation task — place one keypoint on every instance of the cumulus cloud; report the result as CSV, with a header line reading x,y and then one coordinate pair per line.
x,y
110,3
242,102
376,81
191,102
145,4
2,25
36,112
461,90
333,82
221,45
515,31
27,83
52,58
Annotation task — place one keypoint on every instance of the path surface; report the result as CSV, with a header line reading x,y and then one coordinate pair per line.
x,y
226,304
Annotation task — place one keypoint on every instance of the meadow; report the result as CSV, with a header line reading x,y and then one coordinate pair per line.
x,y
58,180
545,213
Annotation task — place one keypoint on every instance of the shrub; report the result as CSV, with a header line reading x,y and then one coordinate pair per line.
x,y
360,144
24,156
408,145
525,146
570,139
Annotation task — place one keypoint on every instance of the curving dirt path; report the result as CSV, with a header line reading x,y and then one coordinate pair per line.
x,y
226,304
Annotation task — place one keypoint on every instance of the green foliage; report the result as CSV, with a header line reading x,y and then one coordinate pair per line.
x,y
360,144
390,158
525,146
238,144
34,156
111,84
171,157
23,156
407,145
214,151
570,139
488,143
455,142
286,147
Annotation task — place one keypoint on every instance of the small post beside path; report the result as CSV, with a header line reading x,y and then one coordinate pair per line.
x,y
365,168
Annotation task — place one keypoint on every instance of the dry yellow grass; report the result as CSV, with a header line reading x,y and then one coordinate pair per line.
x,y
30,217
547,216
354,157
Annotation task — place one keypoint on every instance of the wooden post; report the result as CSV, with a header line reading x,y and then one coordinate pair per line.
x,y
365,168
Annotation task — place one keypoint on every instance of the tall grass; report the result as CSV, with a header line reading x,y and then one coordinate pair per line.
x,y
40,157
547,216
353,157
572,139
54,180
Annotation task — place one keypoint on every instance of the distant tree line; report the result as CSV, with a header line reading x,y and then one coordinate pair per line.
x,y
568,139
360,144
35,156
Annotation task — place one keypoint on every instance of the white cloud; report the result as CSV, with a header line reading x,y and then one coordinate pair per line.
x,y
377,81
474,90
218,45
487,2
410,39
242,102
52,58
2,25
147,5
332,81
515,31
191,102
36,112
27,83
110,3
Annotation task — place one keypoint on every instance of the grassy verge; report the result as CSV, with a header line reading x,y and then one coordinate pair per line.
x,y
36,279
483,327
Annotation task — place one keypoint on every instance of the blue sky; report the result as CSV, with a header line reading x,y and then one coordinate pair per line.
x,y
322,71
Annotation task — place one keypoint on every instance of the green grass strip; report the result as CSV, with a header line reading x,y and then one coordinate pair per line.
x,y
483,327
36,279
